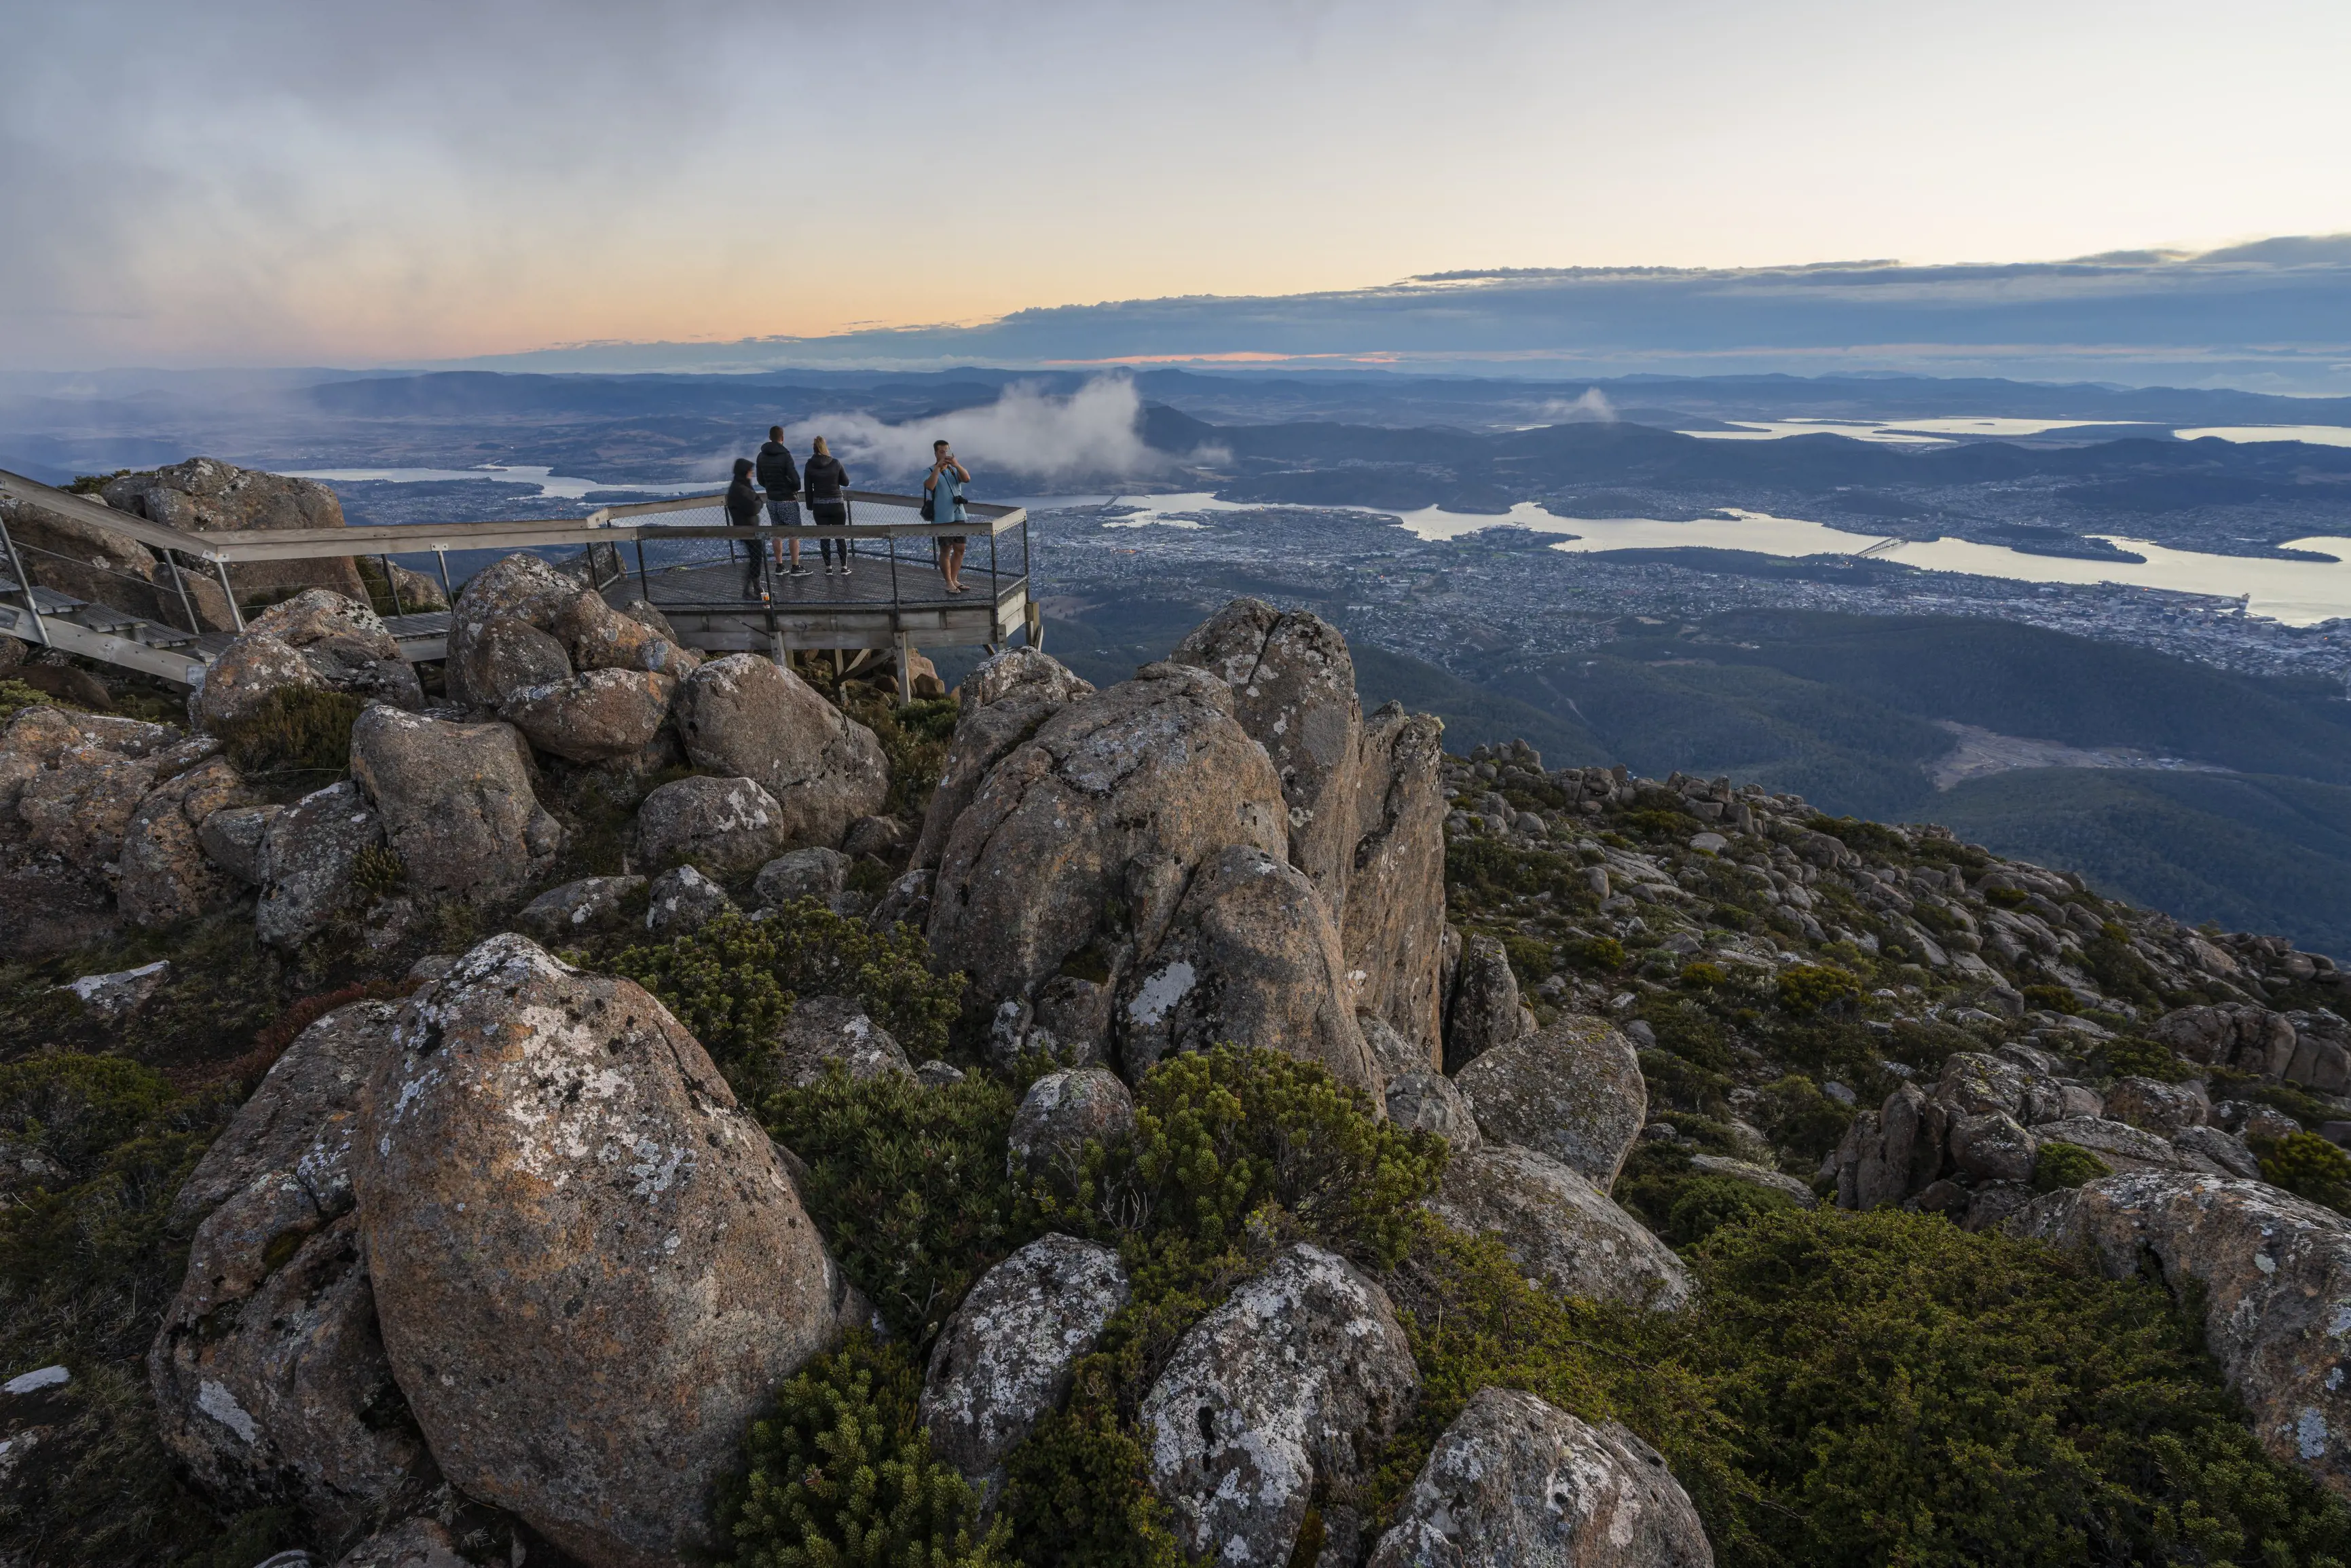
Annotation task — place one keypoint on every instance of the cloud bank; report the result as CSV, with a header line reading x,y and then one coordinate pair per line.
x,y
1027,431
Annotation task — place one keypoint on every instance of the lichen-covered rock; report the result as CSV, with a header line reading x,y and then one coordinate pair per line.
x,y
823,1032
1573,1091
163,874
1515,1481
419,1543
308,857
1283,1389
1485,1010
599,637
816,872
269,1375
78,785
121,992
205,494
1004,1358
1892,1152
1004,702
1250,957
1559,1227
317,640
727,824
1392,927
520,590
290,1398
232,838
1392,1054
2163,1109
1076,848
2123,1147
1294,685
2274,1272
597,716
1427,1102
1062,1112
1753,1175
549,1149
456,802
1991,1146
579,908
749,717
682,901
2226,1151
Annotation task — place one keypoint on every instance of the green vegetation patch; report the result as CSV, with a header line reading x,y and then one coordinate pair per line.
x,y
2309,1166
300,735
2062,1164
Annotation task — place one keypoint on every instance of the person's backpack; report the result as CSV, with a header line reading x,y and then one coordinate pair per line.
x,y
930,505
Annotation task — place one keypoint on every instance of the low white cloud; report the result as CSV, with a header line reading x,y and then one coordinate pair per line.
x,y
1095,430
1591,408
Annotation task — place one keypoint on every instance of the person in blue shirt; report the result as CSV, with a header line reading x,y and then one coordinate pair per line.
x,y
945,484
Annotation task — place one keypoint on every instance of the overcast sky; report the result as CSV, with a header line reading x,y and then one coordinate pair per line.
x,y
257,183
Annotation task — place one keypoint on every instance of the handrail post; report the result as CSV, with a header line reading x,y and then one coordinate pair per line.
x,y
187,605
24,586
448,589
235,616
391,584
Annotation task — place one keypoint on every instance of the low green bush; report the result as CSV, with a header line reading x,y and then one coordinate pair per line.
x,y
1809,988
842,1474
1531,960
1597,955
1707,1203
907,1183
2309,1166
733,984
2132,1056
2060,1164
299,735
1800,1117
1903,1391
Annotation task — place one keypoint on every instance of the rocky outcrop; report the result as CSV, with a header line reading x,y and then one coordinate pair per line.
x,y
1294,685
598,637
1004,1358
456,802
308,856
1061,1113
1485,1010
1573,1091
727,824
317,641
1428,1103
205,495
270,1375
597,716
2274,1276
1248,956
1003,703
514,592
1559,1227
582,908
682,901
749,717
2295,1048
1514,1480
1277,1394
817,872
1074,852
70,785
419,1543
231,837
828,1033
163,874
1392,929
549,1149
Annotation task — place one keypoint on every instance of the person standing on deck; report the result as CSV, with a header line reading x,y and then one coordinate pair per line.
x,y
743,512
780,479
828,499
945,482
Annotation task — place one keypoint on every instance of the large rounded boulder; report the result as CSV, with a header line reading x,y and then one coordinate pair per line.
x,y
317,640
1250,955
597,716
515,591
727,824
456,802
1514,1480
1074,852
749,717
1559,1228
1573,1091
589,1263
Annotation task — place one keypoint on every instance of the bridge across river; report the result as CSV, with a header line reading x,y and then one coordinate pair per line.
x,y
679,556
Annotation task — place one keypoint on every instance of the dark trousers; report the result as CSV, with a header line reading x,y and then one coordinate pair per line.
x,y
756,552
830,515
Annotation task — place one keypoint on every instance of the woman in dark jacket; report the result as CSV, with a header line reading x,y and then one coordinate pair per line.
x,y
743,512
825,483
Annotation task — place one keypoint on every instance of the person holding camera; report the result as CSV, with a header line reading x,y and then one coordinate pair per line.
x,y
943,485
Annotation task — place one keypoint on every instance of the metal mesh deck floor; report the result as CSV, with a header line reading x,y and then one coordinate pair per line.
x,y
719,586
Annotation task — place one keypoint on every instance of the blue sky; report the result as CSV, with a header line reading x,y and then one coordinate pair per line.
x,y
274,183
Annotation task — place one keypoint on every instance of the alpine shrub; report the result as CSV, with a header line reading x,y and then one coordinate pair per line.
x,y
2310,1166
300,733
2061,1165
842,1474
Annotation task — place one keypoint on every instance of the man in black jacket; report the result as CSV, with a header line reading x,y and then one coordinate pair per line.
x,y
781,481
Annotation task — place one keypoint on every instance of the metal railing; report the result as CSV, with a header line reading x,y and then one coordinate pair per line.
x,y
662,535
